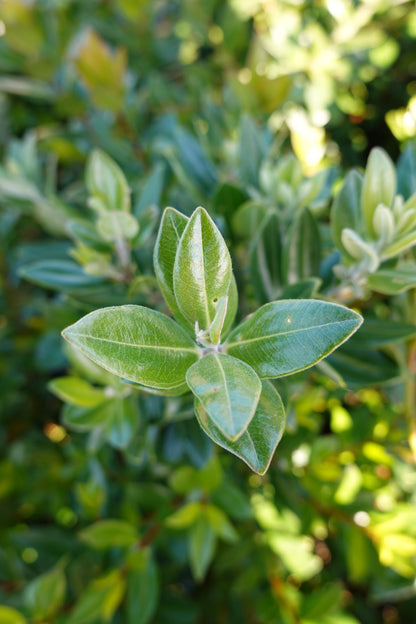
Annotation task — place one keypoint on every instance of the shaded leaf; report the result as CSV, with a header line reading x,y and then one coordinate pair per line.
x,y
109,534
257,444
228,390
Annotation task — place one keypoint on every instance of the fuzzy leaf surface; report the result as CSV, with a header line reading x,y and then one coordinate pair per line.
x,y
202,271
284,337
228,390
136,343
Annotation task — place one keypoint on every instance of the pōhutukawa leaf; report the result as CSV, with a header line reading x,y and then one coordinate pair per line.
x,y
106,183
136,343
171,228
266,260
121,423
44,596
302,251
202,271
302,290
393,281
77,391
285,337
228,390
258,443
379,185
346,209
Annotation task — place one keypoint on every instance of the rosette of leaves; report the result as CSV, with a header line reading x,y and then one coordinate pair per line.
x,y
227,371
373,227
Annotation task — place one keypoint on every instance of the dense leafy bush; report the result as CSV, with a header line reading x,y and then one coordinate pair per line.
x,y
118,499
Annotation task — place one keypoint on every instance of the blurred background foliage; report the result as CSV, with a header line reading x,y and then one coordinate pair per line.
x,y
117,508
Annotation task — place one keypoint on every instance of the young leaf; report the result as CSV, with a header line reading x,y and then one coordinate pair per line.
x,y
106,183
76,391
136,343
257,444
114,225
285,337
202,271
11,616
228,389
379,185
171,228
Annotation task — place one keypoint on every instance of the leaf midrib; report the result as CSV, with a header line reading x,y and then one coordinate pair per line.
x,y
291,331
129,344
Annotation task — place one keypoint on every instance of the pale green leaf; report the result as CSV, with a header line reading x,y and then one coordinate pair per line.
x,y
114,225
393,281
100,599
285,337
106,183
202,271
76,391
136,343
257,444
379,185
228,389
171,228
109,533
8,615
266,259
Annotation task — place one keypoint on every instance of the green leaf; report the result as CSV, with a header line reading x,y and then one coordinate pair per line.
x,y
399,245
100,599
61,275
302,250
11,616
251,152
232,307
393,281
171,228
202,271
228,389
257,444
122,422
379,185
346,209
114,225
45,594
106,183
196,165
151,191
185,516
202,543
266,260
142,593
376,333
85,419
136,343
109,533
76,391
285,337
362,367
